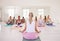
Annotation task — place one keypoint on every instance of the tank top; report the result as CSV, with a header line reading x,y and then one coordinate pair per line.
x,y
40,21
30,27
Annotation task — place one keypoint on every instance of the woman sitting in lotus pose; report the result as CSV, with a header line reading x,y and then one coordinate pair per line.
x,y
41,22
10,21
30,32
49,21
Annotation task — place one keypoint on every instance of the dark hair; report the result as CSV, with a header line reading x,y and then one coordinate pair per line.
x,y
35,18
22,17
13,17
18,16
45,18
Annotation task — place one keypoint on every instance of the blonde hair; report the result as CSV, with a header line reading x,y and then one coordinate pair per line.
x,y
31,13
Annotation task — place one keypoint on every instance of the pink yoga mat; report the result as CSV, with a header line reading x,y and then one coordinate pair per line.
x,y
30,35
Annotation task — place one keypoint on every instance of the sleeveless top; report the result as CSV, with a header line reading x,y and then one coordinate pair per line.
x,y
30,27
40,22
30,32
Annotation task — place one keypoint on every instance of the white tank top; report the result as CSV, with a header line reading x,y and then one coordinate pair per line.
x,y
30,27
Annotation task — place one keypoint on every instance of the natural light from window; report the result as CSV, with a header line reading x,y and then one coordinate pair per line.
x,y
25,13
41,12
11,12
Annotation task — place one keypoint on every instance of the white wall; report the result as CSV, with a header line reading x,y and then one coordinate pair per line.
x,y
0,14
54,6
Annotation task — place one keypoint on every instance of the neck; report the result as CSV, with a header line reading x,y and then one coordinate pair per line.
x,y
30,19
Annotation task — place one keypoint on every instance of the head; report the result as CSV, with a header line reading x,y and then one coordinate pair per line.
x,y
18,17
30,15
40,16
48,16
45,18
10,17
22,17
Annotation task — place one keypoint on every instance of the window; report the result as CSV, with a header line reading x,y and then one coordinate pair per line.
x,y
25,13
41,12
11,12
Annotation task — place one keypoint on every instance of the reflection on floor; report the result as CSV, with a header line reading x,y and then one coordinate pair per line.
x,y
48,33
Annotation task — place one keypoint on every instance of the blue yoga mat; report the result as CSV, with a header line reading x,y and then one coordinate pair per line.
x,y
8,25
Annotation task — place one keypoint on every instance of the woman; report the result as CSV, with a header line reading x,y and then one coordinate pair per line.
x,y
10,21
41,22
23,20
45,19
18,21
14,20
49,21
30,32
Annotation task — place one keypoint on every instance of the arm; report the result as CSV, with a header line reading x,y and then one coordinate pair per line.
x,y
16,21
51,20
24,28
36,27
20,29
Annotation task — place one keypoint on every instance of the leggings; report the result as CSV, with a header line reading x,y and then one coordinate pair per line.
x,y
38,39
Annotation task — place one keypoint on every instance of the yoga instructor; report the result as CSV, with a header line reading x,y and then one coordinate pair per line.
x,y
30,31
